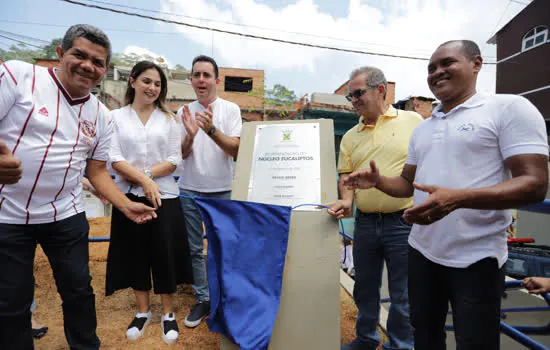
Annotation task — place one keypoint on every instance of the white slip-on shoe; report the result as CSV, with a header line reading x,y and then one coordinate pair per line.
x,y
136,328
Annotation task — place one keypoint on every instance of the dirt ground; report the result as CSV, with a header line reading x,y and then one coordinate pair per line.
x,y
115,312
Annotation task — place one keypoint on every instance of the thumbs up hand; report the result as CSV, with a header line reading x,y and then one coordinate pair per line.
x,y
10,167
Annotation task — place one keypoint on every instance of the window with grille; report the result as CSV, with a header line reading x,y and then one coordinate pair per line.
x,y
535,37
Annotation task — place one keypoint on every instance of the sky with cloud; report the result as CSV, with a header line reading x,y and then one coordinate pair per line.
x,y
397,27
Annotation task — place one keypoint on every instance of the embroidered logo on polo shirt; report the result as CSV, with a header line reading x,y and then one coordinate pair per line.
x,y
43,111
87,128
466,127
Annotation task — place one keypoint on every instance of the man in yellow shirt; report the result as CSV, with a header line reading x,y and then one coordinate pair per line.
x,y
381,234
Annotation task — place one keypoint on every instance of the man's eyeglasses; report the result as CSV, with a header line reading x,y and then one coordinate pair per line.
x,y
357,93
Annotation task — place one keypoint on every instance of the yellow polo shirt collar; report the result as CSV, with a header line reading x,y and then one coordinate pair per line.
x,y
390,113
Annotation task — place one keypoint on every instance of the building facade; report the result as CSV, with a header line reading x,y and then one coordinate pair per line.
x,y
523,56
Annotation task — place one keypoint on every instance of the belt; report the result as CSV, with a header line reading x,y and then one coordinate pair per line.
x,y
380,215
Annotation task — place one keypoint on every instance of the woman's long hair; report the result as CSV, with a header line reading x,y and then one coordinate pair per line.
x,y
160,102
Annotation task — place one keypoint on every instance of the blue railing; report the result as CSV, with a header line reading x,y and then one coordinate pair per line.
x,y
518,333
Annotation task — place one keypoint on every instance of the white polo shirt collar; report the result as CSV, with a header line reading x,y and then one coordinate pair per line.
x,y
475,101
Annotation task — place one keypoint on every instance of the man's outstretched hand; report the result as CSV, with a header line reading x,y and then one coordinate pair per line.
x,y
363,179
440,202
536,285
139,212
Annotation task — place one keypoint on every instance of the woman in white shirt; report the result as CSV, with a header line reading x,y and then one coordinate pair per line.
x,y
145,151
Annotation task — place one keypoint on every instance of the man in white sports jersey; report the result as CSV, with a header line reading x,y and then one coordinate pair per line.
x,y
52,130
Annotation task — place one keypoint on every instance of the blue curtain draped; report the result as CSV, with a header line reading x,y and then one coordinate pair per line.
x,y
247,244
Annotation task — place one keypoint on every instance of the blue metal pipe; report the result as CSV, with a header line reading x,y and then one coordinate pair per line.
x,y
542,207
526,309
520,337
534,330
514,333
99,239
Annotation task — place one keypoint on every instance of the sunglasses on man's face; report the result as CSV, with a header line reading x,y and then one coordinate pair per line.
x,y
357,94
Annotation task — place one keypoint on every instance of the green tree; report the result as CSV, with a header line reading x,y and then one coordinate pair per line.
x,y
280,96
26,53
49,50
20,52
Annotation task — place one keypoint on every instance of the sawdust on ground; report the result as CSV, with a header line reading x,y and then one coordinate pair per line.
x,y
115,312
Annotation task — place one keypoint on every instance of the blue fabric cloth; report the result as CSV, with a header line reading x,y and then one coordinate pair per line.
x,y
247,244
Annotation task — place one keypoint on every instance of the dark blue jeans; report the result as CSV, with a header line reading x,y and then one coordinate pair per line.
x,y
379,238
66,245
474,292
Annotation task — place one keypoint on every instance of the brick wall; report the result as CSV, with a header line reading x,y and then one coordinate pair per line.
x,y
48,63
342,90
243,99
251,116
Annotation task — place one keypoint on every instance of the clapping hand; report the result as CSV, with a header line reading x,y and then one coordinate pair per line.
x,y
205,119
191,124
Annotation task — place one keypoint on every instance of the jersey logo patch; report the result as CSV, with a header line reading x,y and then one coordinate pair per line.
x,y
43,111
87,128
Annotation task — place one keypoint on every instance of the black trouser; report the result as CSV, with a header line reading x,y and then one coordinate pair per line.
x,y
66,245
474,292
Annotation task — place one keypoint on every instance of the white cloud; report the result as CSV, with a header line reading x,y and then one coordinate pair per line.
x,y
414,27
144,51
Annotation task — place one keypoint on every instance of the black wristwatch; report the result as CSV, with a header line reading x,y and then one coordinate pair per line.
x,y
211,131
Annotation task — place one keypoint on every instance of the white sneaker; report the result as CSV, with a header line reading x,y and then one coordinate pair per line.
x,y
136,328
170,330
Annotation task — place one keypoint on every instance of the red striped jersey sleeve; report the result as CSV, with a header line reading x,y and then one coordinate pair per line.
x,y
9,89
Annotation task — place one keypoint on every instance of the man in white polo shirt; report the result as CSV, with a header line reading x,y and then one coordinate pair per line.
x,y
474,159
211,137
52,130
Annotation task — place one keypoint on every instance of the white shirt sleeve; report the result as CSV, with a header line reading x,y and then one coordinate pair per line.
x,y
9,91
115,151
521,129
174,143
234,122
411,156
104,135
